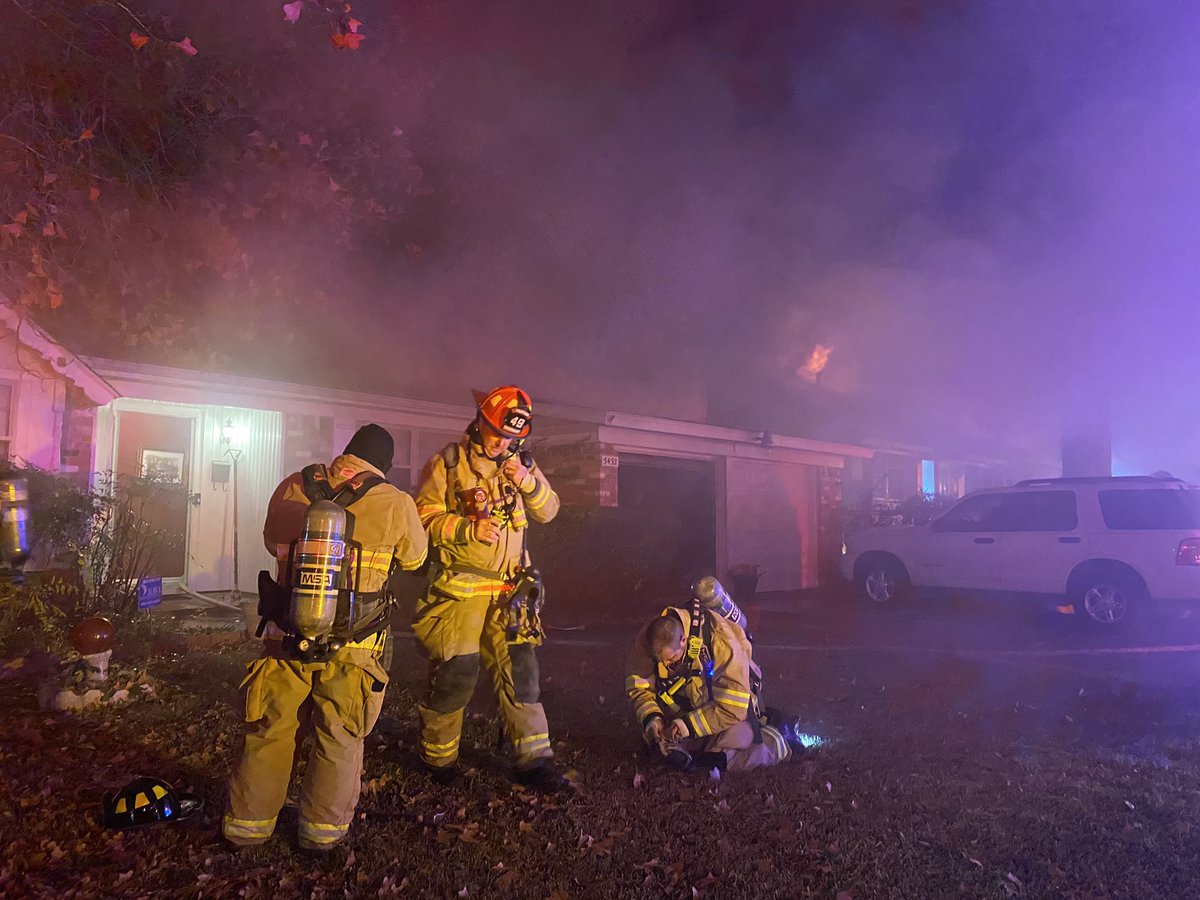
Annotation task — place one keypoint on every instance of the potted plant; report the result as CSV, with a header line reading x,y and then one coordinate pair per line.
x,y
743,581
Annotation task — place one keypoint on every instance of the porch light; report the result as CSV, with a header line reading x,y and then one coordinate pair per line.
x,y
232,436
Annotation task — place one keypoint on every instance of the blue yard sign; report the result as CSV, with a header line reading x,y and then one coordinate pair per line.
x,y
149,592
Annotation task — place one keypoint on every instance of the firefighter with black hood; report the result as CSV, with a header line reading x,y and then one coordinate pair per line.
x,y
696,691
477,498
336,532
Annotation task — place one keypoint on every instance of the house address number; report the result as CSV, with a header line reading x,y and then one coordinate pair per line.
x,y
609,462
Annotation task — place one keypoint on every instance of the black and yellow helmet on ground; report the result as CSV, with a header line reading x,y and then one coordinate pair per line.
x,y
147,801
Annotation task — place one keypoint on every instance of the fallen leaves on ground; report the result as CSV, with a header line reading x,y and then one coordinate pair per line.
x,y
908,802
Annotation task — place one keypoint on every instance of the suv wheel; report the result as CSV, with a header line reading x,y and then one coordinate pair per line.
x,y
882,580
1107,598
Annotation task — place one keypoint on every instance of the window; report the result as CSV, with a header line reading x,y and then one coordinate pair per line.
x,y
399,473
928,479
6,418
412,449
1034,511
429,443
951,479
896,477
1038,511
970,515
1150,510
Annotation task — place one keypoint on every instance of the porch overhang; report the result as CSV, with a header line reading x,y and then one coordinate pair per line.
x,y
71,368
654,436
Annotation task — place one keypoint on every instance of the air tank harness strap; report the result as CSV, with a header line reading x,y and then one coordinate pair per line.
x,y
316,486
697,648
378,617
463,569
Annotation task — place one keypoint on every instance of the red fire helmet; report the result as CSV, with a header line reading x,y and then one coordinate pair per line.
x,y
507,409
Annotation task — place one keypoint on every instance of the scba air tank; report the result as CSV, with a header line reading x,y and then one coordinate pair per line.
x,y
317,570
712,596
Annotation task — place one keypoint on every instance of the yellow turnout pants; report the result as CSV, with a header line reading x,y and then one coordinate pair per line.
x,y
737,743
458,634
340,701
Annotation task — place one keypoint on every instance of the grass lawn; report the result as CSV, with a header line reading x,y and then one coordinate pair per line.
x,y
944,779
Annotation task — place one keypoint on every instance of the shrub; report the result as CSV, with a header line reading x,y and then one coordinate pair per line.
x,y
101,539
122,543
31,618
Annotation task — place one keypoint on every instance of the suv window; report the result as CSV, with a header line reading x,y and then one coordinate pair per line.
x,y
1150,510
1034,511
970,515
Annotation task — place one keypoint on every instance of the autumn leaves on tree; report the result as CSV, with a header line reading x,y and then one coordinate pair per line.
x,y
166,175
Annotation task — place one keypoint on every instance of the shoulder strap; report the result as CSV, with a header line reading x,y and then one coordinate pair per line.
x,y
316,485
315,482
450,458
354,489
698,650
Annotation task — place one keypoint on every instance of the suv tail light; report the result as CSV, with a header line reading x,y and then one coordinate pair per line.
x,y
1189,552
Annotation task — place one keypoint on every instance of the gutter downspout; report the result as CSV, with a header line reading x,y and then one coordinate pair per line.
x,y
227,604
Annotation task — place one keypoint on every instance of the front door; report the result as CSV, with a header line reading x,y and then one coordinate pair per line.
x,y
1040,543
153,464
960,550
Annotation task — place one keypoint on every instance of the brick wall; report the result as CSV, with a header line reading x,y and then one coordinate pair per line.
x,y
582,472
79,425
829,525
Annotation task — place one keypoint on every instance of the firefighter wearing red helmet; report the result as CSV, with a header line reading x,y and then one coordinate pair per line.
x,y
476,500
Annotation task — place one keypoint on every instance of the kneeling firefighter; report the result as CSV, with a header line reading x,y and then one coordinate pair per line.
x,y
484,600
336,532
696,690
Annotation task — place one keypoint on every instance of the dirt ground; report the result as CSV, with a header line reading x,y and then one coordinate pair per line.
x,y
967,754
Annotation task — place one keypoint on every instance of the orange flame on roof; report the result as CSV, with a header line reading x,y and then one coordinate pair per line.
x,y
815,364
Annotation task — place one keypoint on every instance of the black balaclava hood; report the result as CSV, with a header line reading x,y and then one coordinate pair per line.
x,y
374,444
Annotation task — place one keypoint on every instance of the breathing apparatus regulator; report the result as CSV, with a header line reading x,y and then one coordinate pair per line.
x,y
524,592
525,595
14,529
320,607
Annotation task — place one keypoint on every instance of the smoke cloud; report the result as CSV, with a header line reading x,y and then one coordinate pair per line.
x,y
985,210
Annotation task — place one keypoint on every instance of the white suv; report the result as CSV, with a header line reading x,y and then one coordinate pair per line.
x,y
1108,545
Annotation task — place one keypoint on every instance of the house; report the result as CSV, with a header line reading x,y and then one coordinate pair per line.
x,y
735,499
689,496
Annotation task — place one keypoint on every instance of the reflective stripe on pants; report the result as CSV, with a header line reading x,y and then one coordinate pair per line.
x,y
318,835
247,831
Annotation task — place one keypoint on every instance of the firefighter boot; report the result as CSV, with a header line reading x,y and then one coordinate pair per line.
x,y
544,776
713,759
443,775
798,739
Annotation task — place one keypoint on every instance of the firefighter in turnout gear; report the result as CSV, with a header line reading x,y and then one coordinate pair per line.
x,y
338,698
476,500
695,691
